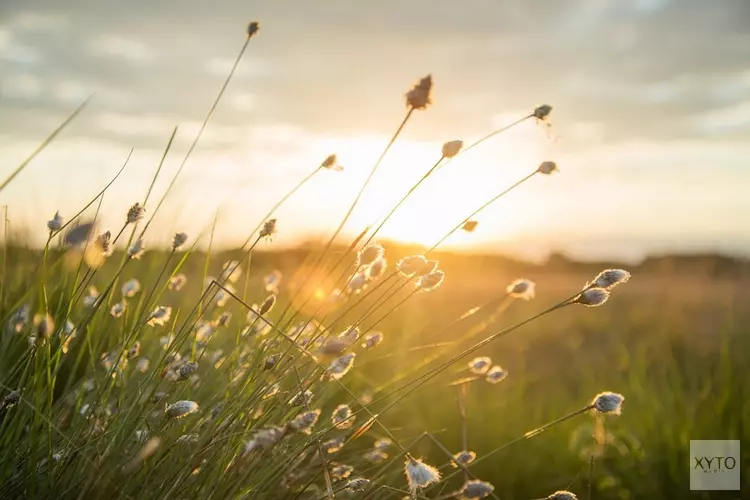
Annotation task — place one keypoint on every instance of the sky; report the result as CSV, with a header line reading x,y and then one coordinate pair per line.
x,y
650,126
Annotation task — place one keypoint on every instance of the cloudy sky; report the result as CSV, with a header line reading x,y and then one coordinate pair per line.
x,y
651,120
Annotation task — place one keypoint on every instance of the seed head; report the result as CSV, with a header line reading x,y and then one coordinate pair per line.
x,y
159,316
562,495
341,365
469,226
179,240
181,409
44,325
271,281
130,288
252,29
592,297
464,458
269,228
375,456
136,249
480,365
369,254
134,350
409,266
608,402
79,234
475,489
382,444
541,112
358,282
301,398
342,418
11,399
419,96
186,370
377,269
547,167
142,365
452,148
267,305
331,163
522,289
103,244
356,484
431,281
265,439
305,421
419,474
56,223
341,471
118,309
610,278
496,374
135,213
177,281
372,339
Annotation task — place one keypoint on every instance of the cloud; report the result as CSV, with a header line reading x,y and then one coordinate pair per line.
x,y
105,46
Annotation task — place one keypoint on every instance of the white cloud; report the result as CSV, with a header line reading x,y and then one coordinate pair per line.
x,y
118,46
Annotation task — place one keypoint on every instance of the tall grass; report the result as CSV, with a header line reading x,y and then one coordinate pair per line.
x,y
127,375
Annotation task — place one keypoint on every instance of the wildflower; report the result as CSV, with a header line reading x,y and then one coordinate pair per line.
x,y
409,266
177,281
357,484
79,234
341,417
135,213
265,438
43,325
331,163
562,495
301,398
11,399
372,340
419,96
341,365
522,289
135,350
269,228
383,444
369,254
304,422
463,458
419,474
452,148
496,374
104,244
271,281
592,297
181,409
341,471
357,283
117,309
230,271
541,112
547,167
377,269
469,226
252,29
334,445
375,456
431,281
475,489
142,365
179,240
267,305
610,278
608,402
130,288
159,316
56,223
136,250
184,372
480,365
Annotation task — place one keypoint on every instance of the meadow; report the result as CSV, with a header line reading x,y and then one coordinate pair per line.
x,y
360,370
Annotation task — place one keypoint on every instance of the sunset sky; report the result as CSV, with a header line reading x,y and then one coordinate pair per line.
x,y
651,119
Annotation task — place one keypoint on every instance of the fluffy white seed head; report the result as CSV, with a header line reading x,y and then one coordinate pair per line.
x,y
608,402
118,309
136,249
305,421
369,254
341,365
269,228
522,289
358,282
130,288
562,495
475,489
431,281
542,112
181,409
135,213
331,163
230,271
177,281
271,281
382,444
356,484
341,417
409,266
452,148
464,457
252,29
179,240
159,316
419,96
372,339
185,371
265,438
610,278
267,305
592,297
377,269
56,223
419,474
480,365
